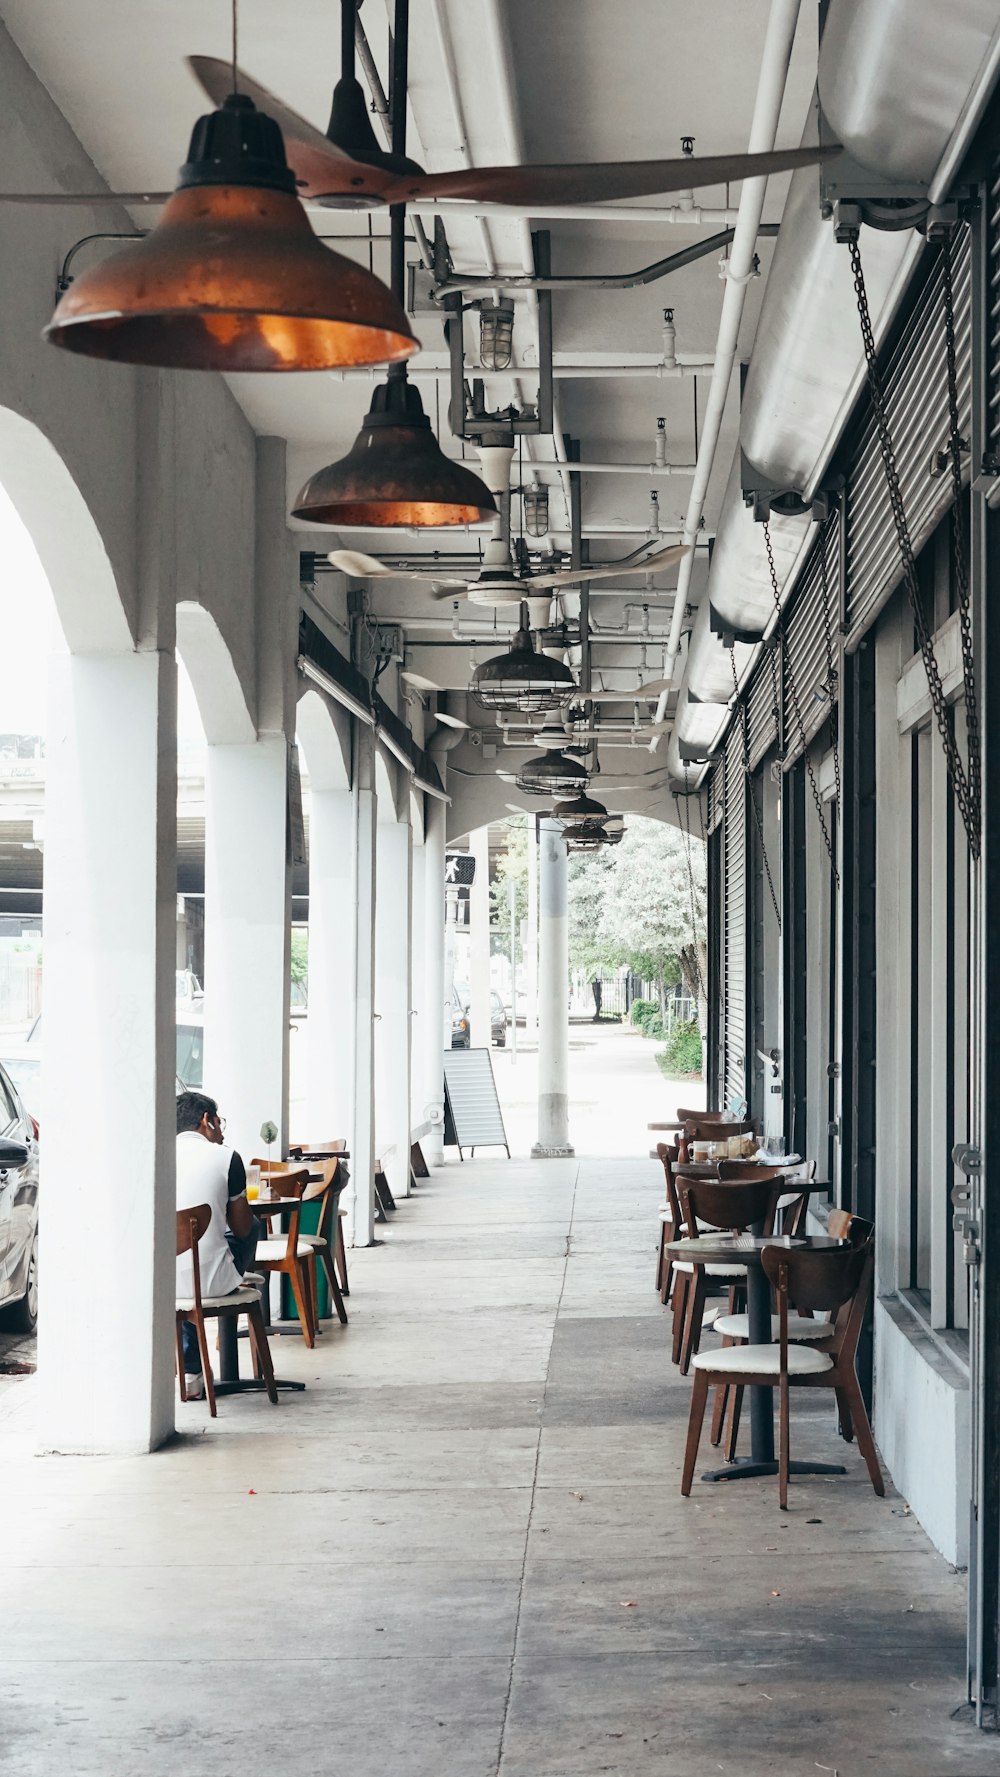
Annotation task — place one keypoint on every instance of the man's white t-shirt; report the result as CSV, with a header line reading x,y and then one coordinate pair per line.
x,y
203,1177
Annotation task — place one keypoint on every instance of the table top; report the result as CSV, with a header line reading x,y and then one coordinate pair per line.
x,y
271,1205
698,1169
744,1249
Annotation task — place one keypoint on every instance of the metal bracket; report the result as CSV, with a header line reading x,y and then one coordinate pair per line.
x,y
851,194
764,498
968,1158
481,426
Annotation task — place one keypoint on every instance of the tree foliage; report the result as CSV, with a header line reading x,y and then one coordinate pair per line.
x,y
511,867
632,905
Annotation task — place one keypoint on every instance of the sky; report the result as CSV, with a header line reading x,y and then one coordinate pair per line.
x,y
28,627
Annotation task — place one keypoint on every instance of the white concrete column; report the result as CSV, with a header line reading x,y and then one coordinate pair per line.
x,y
479,940
393,1001
361,1207
247,938
107,1157
531,938
433,1040
333,951
553,982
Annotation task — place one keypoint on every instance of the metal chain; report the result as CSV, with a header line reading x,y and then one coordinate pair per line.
x,y
942,712
686,832
832,675
955,446
793,692
771,649
744,721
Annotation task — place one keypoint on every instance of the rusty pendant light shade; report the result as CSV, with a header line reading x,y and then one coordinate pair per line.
x,y
395,473
233,277
551,775
522,679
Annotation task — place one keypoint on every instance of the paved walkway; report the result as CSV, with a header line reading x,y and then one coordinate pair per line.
x,y
463,1553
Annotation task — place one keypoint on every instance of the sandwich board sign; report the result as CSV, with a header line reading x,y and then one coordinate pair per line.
x,y
472,1115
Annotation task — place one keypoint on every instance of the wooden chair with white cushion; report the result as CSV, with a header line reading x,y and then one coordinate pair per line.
x,y
288,1253
325,1187
325,1150
743,1194
191,1225
835,1280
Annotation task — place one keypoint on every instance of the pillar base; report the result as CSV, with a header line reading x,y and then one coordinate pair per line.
x,y
540,1153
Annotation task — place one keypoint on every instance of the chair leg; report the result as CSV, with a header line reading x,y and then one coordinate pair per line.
x,y
699,1395
681,1282
180,1356
262,1351
696,1309
661,1258
735,1403
300,1291
312,1292
863,1432
844,1416
206,1364
668,1279
719,1409
333,1285
783,1432
341,1254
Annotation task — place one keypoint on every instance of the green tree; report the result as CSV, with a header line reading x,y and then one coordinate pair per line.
x,y
300,953
631,905
511,866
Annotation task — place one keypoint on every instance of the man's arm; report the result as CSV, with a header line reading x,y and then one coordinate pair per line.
x,y
238,1212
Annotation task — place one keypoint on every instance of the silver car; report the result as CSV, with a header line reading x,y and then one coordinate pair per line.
x,y
18,1211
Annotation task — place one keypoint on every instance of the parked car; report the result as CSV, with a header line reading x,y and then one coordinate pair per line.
x,y
18,1211
461,1027
498,1020
23,1062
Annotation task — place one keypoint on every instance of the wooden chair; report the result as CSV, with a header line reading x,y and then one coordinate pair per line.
x,y
191,1225
289,1253
325,1150
835,1280
702,1128
794,1206
743,1194
667,1155
325,1188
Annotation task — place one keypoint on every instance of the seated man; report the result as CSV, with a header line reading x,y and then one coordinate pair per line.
x,y
209,1172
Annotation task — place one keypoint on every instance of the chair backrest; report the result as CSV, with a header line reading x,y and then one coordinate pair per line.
x,y
667,1155
834,1280
735,1204
701,1128
191,1225
733,1171
292,1180
701,1116
845,1226
297,1149
327,1181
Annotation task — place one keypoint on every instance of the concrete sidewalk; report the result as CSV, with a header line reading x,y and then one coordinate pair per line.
x,y
463,1552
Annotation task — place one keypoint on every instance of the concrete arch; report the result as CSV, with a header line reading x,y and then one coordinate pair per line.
x,y
323,731
417,814
222,705
387,775
65,537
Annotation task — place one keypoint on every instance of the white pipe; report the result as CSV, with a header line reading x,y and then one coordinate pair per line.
x,y
562,370
781,23
635,468
695,217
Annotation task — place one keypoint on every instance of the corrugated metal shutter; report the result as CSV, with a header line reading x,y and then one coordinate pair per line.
x,y
916,390
735,932
811,641
993,326
760,706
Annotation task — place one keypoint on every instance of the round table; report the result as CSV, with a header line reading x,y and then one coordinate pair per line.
x,y
745,1249
230,1381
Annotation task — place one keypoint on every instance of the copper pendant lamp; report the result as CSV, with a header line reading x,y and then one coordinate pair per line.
x,y
233,277
395,472
522,679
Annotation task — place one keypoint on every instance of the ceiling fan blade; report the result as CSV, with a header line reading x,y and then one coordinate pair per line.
x,y
418,681
609,181
320,167
664,558
368,567
634,694
450,721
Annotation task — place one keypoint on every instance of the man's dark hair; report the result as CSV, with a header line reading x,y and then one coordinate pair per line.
x,y
191,1107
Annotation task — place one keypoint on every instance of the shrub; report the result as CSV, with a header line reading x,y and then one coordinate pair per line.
x,y
642,1011
682,1054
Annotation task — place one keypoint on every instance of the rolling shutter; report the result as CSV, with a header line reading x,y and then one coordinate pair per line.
x,y
916,391
716,797
760,706
734,925
811,641
993,325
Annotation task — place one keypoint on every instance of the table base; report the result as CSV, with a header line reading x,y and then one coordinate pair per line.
x,y
746,1469
254,1385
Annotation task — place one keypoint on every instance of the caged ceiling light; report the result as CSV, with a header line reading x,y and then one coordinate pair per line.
x,y
579,809
592,835
523,679
232,277
552,774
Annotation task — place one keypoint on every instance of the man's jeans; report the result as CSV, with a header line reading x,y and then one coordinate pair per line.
x,y
243,1248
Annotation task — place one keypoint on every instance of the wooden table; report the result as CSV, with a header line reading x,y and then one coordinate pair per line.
x,y
230,1381
745,1249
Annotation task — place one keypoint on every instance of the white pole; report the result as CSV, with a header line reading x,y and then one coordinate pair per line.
x,y
553,981
512,899
479,940
437,986
531,943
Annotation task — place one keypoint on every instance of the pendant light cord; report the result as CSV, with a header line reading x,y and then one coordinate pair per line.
x,y
397,112
348,15
236,33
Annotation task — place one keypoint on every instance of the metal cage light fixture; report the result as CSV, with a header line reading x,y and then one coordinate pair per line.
x,y
579,809
523,679
232,277
552,774
535,505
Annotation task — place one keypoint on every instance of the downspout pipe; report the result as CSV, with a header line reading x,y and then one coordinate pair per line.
x,y
781,24
626,280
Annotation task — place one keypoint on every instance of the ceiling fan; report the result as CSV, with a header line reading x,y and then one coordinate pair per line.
x,y
497,582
